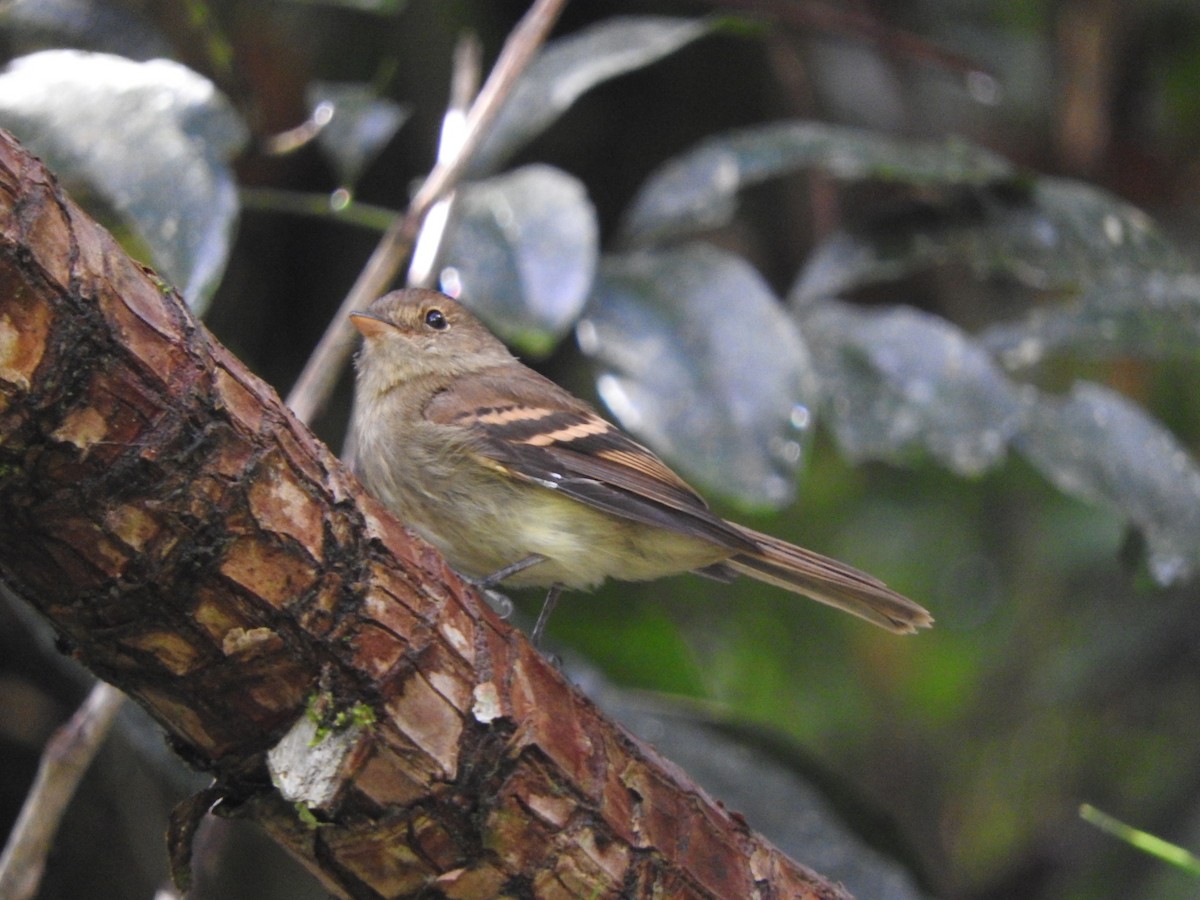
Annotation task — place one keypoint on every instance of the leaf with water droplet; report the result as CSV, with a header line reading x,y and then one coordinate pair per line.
x,y
698,189
1152,315
696,356
153,140
521,251
360,125
1131,291
1127,289
899,379
570,66
1102,447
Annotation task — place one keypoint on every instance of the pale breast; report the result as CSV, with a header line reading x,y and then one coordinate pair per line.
x,y
483,520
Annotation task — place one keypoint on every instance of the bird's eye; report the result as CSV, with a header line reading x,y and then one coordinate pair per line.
x,y
436,320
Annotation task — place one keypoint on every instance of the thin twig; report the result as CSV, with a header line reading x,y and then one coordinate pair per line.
x,y
313,387
64,761
294,138
463,86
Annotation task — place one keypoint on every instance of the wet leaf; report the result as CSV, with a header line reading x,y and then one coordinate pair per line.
x,y
360,125
696,356
522,253
1130,289
83,24
698,189
1153,315
152,139
1115,283
897,380
1101,447
569,67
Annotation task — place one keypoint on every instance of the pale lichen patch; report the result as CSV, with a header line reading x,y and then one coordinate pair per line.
x,y
83,428
250,641
132,525
487,707
22,344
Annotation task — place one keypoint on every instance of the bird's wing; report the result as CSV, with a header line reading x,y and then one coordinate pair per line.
x,y
530,428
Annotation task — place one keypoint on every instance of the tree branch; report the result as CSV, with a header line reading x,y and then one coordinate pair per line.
x,y
203,552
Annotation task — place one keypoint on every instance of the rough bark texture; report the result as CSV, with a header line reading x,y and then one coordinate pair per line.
x,y
201,550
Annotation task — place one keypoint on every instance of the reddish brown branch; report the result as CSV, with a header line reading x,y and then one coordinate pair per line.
x,y
201,550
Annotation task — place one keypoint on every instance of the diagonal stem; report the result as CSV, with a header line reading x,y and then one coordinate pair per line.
x,y
64,763
320,374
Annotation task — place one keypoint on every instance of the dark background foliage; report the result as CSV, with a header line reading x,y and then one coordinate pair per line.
x,y
1064,667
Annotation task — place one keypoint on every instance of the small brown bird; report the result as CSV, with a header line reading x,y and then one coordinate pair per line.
x,y
519,482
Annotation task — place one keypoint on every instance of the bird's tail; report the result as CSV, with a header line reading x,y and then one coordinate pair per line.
x,y
828,581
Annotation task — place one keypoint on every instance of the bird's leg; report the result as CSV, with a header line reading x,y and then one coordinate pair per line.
x,y
544,616
490,581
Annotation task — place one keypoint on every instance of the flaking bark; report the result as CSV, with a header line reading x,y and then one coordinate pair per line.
x,y
201,550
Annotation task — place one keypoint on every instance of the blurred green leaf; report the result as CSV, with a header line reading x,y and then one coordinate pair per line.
x,y
1135,837
638,640
568,67
696,355
153,139
522,251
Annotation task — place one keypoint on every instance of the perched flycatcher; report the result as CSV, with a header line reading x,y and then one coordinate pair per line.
x,y
519,482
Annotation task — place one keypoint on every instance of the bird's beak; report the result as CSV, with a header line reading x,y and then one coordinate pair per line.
x,y
369,325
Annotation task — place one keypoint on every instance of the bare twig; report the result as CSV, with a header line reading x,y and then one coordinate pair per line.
x,y
463,87
294,138
65,760
316,382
